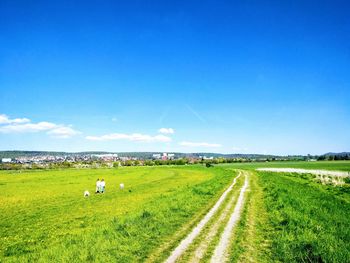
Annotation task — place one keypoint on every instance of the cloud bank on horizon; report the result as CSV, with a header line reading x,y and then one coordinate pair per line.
x,y
24,125
165,138
62,131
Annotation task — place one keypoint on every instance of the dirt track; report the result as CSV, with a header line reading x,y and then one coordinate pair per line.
x,y
220,253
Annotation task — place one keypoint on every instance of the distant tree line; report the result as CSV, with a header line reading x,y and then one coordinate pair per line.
x,y
334,157
181,161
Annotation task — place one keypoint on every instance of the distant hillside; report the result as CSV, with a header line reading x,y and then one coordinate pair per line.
x,y
337,154
142,155
148,155
16,154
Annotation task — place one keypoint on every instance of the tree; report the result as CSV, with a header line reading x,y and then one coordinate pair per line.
x,y
208,165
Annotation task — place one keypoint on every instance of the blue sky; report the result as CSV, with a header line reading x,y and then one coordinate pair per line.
x,y
220,76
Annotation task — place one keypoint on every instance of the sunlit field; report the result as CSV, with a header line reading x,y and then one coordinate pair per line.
x,y
326,165
309,222
286,217
44,215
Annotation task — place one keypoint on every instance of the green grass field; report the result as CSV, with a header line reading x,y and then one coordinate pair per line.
x,y
44,215
310,221
326,165
286,217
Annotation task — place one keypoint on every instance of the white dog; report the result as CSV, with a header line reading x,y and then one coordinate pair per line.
x,y
121,186
86,194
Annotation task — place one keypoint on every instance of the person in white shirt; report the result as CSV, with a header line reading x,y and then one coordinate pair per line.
x,y
103,186
98,186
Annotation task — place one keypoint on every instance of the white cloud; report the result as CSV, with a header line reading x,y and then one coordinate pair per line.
x,y
137,137
27,127
4,119
200,144
24,125
166,130
63,132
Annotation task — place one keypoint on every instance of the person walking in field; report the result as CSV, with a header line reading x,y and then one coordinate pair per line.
x,y
98,186
103,186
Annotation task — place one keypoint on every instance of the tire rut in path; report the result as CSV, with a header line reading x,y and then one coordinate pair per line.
x,y
220,254
180,249
202,247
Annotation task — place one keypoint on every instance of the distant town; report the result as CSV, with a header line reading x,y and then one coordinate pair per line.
x,y
84,160
47,160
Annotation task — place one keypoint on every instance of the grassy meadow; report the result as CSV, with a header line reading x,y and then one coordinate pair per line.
x,y
293,218
324,165
286,218
308,221
44,216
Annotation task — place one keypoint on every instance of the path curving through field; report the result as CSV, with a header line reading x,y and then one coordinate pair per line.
x,y
184,244
221,251
229,215
202,247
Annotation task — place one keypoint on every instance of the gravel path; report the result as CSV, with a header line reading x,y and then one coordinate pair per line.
x,y
221,254
306,171
180,249
203,245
